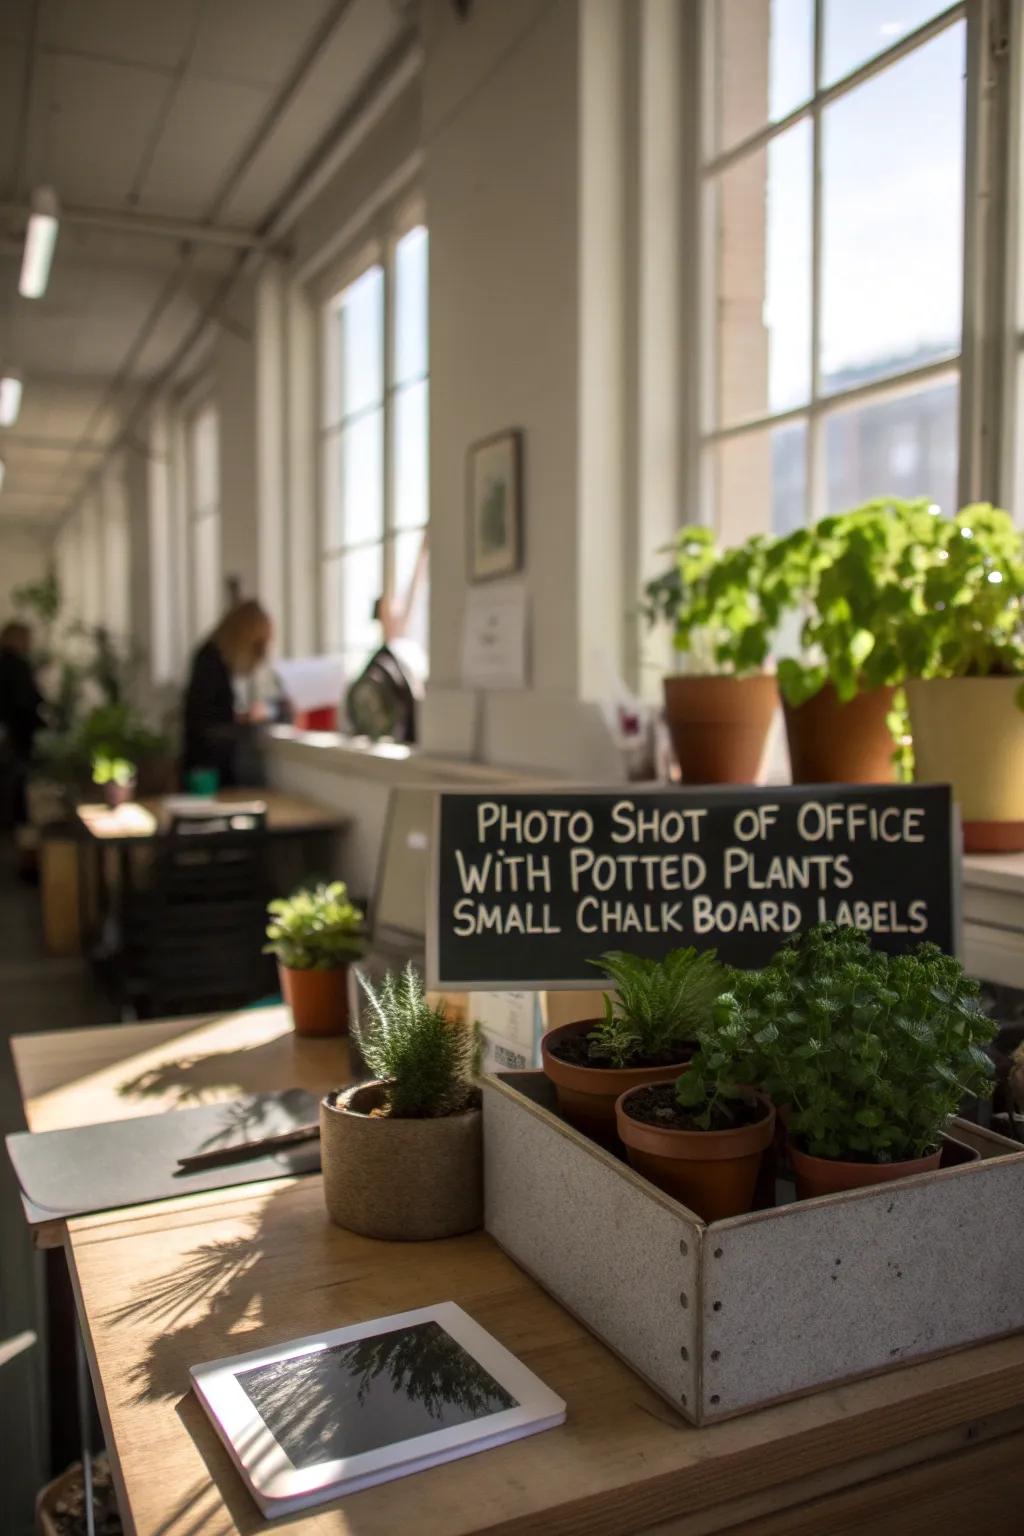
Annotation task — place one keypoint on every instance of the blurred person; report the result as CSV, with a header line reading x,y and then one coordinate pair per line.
x,y
213,722
20,711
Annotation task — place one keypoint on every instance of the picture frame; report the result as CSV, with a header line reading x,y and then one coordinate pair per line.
x,y
495,506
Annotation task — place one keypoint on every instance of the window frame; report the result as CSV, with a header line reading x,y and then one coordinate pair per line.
x,y
198,405
379,250
983,374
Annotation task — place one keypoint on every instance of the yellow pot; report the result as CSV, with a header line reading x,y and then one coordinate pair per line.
x,y
969,732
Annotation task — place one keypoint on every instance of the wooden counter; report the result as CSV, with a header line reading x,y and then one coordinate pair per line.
x,y
933,1447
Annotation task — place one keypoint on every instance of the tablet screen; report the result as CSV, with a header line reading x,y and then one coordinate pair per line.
x,y
370,1393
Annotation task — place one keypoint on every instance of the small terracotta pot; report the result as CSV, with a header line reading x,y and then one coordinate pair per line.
x,y
318,999
719,725
969,732
587,1095
829,1176
713,1173
835,743
400,1180
120,794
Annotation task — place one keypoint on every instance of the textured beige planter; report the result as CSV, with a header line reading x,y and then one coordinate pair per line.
x,y
969,732
401,1180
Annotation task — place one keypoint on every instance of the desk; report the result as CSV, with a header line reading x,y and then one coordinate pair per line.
x,y
85,1076
287,816
933,1447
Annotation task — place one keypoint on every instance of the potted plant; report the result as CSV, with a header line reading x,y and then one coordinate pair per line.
x,y
962,642
725,606
868,1055
402,1155
315,934
843,720
702,1138
116,776
645,1035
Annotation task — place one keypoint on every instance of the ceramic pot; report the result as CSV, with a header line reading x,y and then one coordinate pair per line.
x,y
120,794
835,743
587,1095
969,732
829,1176
400,1180
719,725
713,1173
318,999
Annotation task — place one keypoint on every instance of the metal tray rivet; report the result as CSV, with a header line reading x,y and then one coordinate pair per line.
x,y
716,1354
684,1300
718,1253
684,1249
717,1306
684,1352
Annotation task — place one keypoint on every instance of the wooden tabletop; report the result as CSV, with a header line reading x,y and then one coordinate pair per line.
x,y
138,820
167,1287
86,1076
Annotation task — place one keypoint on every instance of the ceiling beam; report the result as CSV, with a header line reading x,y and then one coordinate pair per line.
x,y
180,231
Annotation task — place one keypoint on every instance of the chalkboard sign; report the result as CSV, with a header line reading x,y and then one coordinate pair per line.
x,y
529,887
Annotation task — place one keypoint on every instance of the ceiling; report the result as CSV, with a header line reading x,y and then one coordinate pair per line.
x,y
200,112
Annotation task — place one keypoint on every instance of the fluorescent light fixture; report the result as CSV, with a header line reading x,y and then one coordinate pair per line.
x,y
10,398
40,239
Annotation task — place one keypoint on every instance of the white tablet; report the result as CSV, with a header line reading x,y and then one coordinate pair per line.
x,y
327,1415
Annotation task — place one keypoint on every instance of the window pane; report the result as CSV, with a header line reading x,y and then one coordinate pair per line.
x,y
410,456
764,278
206,579
856,33
411,305
362,478
759,482
362,583
763,60
902,445
362,341
407,547
330,347
892,217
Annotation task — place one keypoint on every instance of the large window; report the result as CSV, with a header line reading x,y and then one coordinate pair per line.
x,y
833,187
202,471
374,470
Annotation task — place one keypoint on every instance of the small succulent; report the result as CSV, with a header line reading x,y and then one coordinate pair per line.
x,y
316,929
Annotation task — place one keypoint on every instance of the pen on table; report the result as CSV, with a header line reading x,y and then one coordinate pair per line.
x,y
243,1150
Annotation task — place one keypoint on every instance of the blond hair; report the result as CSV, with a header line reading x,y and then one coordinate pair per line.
x,y
242,636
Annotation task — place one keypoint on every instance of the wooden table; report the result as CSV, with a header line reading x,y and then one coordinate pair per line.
x,y
935,1447
287,815
85,1076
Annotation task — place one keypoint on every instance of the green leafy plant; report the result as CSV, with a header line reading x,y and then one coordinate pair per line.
x,y
316,929
424,1059
659,1005
719,1075
872,1053
111,732
112,770
725,604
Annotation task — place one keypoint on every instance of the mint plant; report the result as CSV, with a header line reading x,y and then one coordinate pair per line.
x,y
316,929
659,1006
424,1060
872,1053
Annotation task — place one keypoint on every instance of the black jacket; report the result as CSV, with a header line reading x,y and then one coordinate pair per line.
x,y
211,732
20,702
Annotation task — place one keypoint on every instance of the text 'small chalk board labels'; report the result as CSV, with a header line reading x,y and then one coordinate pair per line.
x,y
529,887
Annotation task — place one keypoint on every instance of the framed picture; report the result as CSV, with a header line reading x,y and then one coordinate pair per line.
x,y
495,506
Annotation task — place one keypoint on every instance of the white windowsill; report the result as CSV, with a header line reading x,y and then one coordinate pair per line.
x,y
387,762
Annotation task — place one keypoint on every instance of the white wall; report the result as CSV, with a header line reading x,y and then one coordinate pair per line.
x,y
24,556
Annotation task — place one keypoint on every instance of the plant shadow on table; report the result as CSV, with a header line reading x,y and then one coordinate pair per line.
x,y
192,1080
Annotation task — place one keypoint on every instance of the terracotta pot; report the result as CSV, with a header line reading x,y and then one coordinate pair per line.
x,y
719,725
120,794
969,732
834,743
318,999
587,1095
713,1173
400,1180
829,1176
